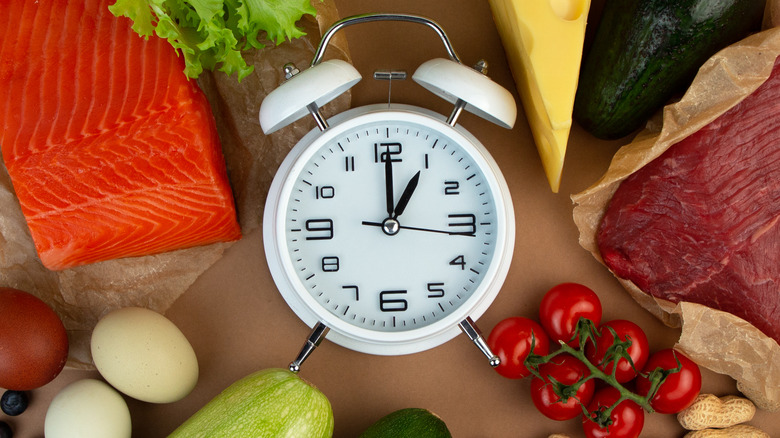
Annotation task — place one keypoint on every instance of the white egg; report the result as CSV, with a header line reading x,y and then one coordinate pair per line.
x,y
87,408
144,355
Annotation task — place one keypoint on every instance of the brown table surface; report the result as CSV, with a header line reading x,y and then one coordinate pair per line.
x,y
238,323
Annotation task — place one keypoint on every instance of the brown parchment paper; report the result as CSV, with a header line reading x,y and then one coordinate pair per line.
x,y
716,340
83,294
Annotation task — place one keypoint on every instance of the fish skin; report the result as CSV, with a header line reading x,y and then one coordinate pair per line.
x,y
111,150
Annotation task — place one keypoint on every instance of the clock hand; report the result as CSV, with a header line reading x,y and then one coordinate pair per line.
x,y
389,184
403,227
406,195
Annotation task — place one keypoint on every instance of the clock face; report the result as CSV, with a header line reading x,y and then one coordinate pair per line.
x,y
390,226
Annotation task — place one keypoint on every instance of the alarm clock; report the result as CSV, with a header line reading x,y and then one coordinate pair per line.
x,y
388,228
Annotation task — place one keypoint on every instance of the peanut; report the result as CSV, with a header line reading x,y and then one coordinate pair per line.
x,y
709,411
738,431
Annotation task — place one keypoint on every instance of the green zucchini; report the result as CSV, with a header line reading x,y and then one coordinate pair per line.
x,y
408,423
271,403
646,51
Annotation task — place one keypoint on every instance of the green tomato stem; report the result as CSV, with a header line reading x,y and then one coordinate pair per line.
x,y
597,373
587,332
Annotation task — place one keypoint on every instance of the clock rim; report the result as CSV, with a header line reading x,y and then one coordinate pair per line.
x,y
341,332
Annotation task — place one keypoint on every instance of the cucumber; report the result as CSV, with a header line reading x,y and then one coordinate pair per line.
x,y
408,423
646,51
272,403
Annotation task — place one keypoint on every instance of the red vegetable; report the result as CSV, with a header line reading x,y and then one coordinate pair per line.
x,y
563,306
564,369
511,341
679,389
626,420
33,341
638,351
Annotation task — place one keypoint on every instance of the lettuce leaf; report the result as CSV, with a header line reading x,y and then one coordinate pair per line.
x,y
212,34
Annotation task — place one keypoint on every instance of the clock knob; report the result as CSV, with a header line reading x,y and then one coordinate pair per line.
x,y
303,93
460,84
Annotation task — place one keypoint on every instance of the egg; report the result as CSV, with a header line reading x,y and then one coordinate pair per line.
x,y
87,408
33,341
144,355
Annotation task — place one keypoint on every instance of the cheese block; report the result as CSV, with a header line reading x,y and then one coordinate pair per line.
x,y
543,41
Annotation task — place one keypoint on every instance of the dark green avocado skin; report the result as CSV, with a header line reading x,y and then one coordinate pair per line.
x,y
408,423
646,51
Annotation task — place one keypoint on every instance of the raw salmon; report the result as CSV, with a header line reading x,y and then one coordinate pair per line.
x,y
111,150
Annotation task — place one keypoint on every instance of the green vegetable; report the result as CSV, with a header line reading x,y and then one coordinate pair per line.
x,y
212,33
269,403
645,51
408,423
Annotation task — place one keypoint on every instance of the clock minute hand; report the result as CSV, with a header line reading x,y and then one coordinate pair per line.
x,y
389,184
451,233
406,195
404,227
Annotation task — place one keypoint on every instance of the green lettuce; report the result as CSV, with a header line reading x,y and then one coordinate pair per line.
x,y
212,34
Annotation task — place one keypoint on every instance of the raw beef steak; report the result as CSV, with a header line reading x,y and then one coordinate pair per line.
x,y
700,222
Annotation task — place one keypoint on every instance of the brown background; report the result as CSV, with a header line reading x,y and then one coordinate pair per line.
x,y
238,323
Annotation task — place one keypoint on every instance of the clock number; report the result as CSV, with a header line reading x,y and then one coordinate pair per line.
x,y
352,287
324,192
435,290
459,261
330,264
390,149
349,163
323,229
460,221
451,188
388,304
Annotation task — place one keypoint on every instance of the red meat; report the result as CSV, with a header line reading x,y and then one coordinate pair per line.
x,y
701,223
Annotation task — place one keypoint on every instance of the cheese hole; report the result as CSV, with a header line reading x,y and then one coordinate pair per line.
x,y
568,9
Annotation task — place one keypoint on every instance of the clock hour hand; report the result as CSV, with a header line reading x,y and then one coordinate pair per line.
x,y
406,195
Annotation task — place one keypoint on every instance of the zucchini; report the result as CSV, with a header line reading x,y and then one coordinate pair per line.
x,y
271,403
646,51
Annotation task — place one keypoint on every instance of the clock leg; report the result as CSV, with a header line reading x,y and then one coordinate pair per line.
x,y
313,341
472,331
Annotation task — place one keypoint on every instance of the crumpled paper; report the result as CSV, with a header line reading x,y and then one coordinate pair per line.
x,y
714,339
82,295
253,158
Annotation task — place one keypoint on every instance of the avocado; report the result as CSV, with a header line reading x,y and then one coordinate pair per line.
x,y
408,423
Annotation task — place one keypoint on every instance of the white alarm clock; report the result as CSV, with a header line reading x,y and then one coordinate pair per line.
x,y
389,228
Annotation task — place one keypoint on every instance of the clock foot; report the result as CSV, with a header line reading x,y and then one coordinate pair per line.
x,y
472,331
313,341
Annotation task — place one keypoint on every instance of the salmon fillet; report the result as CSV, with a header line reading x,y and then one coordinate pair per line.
x,y
111,150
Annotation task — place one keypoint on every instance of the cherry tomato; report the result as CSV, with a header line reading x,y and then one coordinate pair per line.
x,y
510,340
638,351
679,389
565,369
561,309
628,418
